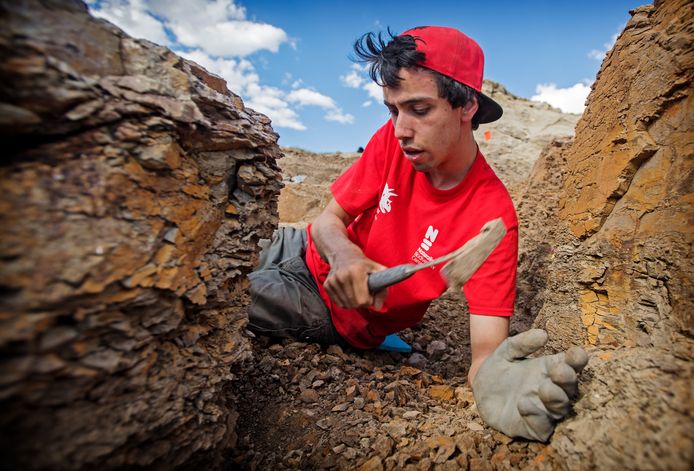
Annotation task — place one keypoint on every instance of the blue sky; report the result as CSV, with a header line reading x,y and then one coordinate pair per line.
x,y
291,59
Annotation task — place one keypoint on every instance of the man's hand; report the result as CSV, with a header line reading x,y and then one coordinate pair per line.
x,y
525,397
347,281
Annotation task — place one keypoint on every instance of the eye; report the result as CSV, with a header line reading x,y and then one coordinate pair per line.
x,y
393,111
420,110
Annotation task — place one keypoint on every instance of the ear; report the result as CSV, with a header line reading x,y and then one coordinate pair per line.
x,y
469,110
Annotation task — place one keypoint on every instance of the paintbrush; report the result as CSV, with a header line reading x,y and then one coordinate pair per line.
x,y
461,264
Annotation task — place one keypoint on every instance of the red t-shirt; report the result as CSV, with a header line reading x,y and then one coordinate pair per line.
x,y
401,218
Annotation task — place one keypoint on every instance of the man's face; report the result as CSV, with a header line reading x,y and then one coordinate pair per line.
x,y
429,129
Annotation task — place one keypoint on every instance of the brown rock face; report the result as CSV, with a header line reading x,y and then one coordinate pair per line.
x,y
133,191
616,266
630,183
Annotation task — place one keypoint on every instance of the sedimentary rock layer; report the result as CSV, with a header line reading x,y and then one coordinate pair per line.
x,y
616,267
133,191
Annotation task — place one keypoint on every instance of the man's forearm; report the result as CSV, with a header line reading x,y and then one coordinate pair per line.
x,y
486,334
329,233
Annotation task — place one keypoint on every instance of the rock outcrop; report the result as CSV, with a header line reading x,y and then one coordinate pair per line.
x,y
617,266
134,189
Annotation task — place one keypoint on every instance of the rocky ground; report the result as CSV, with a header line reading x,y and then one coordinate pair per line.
x,y
306,407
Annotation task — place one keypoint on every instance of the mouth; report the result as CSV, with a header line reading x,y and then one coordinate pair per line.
x,y
412,153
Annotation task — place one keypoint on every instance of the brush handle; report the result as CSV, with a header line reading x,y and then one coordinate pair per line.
x,y
382,279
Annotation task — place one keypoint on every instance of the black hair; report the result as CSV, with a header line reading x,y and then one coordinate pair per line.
x,y
386,56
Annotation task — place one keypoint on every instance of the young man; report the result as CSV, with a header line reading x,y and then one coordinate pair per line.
x,y
420,190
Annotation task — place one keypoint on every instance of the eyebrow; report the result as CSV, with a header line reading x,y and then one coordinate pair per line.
x,y
411,101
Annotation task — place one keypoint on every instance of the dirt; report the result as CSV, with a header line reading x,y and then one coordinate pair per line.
x,y
306,407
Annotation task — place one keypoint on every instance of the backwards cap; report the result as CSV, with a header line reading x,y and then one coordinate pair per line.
x,y
451,53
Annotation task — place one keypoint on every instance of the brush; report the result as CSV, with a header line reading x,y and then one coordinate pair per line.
x,y
461,264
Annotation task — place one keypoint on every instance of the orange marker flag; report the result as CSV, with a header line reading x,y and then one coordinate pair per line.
x,y
487,135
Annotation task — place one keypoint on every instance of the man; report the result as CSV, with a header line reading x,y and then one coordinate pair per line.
x,y
420,190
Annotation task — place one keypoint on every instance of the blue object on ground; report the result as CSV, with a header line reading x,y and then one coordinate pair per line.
x,y
393,343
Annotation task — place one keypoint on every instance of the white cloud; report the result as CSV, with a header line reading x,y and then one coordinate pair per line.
x,y
133,18
338,116
306,97
270,101
569,100
367,103
374,90
352,79
219,27
599,54
220,36
358,78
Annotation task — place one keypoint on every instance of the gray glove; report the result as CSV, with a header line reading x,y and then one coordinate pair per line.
x,y
525,397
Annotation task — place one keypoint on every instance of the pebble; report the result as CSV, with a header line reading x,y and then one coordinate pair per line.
x,y
340,407
475,427
309,396
441,392
396,429
324,424
411,414
443,446
417,360
436,349
383,446
350,453
373,464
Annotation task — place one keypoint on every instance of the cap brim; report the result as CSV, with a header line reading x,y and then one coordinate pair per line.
x,y
488,110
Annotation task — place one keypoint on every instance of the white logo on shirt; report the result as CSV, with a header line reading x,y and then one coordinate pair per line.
x,y
384,204
421,255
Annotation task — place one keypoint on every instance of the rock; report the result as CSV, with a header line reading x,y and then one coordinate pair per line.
x,y
436,349
441,392
417,360
135,187
383,446
309,396
324,424
612,251
464,396
340,407
396,429
339,448
475,427
372,464
443,447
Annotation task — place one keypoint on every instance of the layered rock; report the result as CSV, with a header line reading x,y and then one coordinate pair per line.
x,y
617,267
134,190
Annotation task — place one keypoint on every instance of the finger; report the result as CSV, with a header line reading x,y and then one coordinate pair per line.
x,y
540,425
554,399
577,358
523,344
379,299
565,377
339,291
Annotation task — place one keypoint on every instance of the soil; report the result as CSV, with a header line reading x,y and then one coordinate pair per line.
x,y
303,406
307,407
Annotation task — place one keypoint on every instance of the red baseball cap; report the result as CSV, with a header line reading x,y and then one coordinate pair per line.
x,y
451,53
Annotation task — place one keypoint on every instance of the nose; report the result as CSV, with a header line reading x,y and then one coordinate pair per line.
x,y
403,128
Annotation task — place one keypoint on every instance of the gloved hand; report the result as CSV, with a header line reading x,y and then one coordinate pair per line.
x,y
525,397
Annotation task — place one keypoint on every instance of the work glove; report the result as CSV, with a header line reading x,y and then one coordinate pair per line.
x,y
526,397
